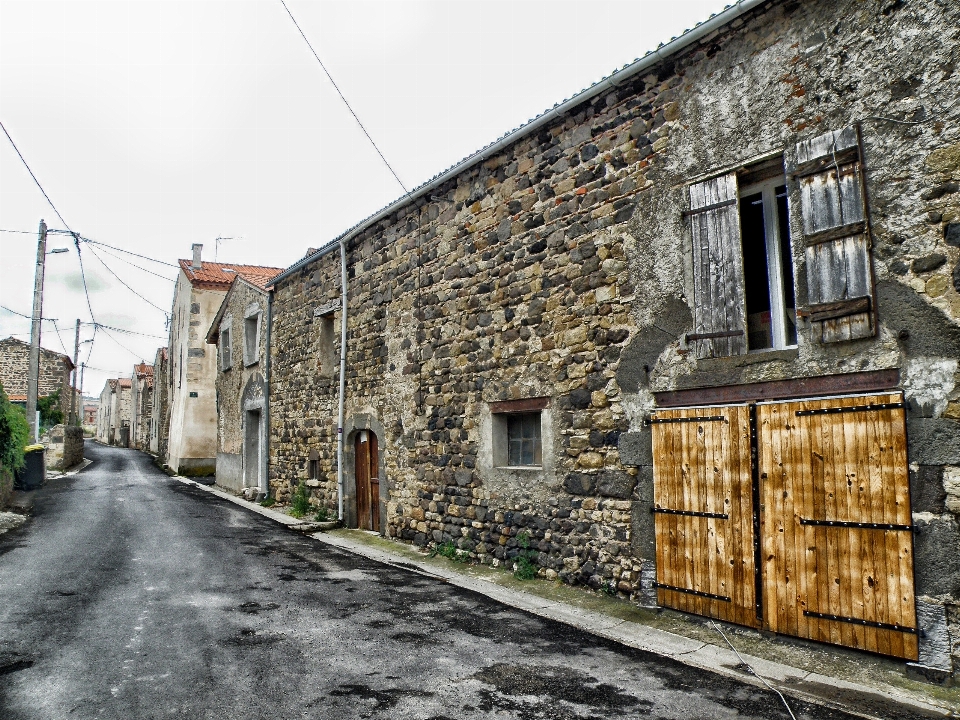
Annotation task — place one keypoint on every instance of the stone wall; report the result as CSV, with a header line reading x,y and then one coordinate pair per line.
x,y
561,269
54,372
239,387
64,446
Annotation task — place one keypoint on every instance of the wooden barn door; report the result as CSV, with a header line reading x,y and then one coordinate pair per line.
x,y
367,461
703,508
837,546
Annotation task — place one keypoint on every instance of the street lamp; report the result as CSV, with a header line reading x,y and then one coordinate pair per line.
x,y
33,372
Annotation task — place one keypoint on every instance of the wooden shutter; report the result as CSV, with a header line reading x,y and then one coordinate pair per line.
x,y
703,512
719,305
836,525
836,232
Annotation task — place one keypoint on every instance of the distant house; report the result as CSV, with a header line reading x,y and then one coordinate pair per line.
x,y
141,406
55,369
114,412
239,333
89,413
192,372
160,410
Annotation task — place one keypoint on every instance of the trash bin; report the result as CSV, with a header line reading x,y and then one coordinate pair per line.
x,y
31,476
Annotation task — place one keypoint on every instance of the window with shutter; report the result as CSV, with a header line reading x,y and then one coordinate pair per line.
x,y
718,269
836,233
226,361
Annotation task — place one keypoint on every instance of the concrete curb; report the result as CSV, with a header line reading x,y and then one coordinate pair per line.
x,y
793,682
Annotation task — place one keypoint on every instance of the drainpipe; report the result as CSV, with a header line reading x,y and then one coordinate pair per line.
x,y
343,373
264,489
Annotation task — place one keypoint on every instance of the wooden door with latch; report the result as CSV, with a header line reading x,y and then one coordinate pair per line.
x,y
836,526
367,471
704,512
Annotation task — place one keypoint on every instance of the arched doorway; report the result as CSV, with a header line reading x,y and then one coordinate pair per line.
x,y
366,471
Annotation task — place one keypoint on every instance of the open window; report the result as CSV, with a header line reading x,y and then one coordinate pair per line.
x,y
744,297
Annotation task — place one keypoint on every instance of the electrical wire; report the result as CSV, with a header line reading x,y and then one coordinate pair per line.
x,y
23,160
56,329
124,284
21,232
335,87
128,332
162,277
83,276
136,355
14,312
128,252
752,671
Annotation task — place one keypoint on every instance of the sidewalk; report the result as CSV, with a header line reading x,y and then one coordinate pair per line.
x,y
865,685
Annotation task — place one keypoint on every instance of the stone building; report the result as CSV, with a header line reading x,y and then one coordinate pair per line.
x,y
55,369
141,406
89,414
239,333
192,374
115,412
160,409
690,336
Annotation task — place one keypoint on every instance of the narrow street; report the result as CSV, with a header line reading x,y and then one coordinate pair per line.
x,y
132,595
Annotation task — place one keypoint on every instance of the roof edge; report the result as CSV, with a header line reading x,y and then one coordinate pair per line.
x,y
652,58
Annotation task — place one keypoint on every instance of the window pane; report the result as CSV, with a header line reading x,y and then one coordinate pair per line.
x,y
756,279
523,439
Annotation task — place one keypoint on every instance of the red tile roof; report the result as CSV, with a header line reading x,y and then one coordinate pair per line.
x,y
218,276
125,382
143,370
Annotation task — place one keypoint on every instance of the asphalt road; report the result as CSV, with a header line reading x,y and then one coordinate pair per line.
x,y
131,595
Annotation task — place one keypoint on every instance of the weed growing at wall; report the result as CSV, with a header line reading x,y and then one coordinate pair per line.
x,y
300,502
525,564
450,551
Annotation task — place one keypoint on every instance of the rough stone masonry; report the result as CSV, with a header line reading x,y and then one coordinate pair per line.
x,y
559,272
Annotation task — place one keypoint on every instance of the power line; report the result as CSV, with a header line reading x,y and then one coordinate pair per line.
x,y
124,284
335,87
128,332
60,339
128,252
136,355
23,160
83,276
162,277
21,232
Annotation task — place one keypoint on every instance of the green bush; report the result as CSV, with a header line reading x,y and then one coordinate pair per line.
x,y
14,434
50,412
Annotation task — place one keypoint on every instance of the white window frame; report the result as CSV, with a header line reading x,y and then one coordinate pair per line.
x,y
771,234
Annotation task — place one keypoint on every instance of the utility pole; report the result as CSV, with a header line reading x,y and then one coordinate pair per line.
x,y
82,366
33,374
73,388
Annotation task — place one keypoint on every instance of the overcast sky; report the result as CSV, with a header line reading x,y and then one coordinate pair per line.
x,y
153,125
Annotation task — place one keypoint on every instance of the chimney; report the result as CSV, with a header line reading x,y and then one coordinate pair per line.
x,y
196,265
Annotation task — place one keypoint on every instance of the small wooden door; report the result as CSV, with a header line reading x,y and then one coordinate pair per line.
x,y
703,508
367,458
836,523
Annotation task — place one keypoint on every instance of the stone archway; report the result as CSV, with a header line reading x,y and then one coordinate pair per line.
x,y
254,433
352,427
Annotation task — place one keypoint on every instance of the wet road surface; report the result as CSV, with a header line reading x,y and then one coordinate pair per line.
x,y
131,595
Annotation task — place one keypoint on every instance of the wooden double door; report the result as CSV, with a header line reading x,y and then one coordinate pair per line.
x,y
790,516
